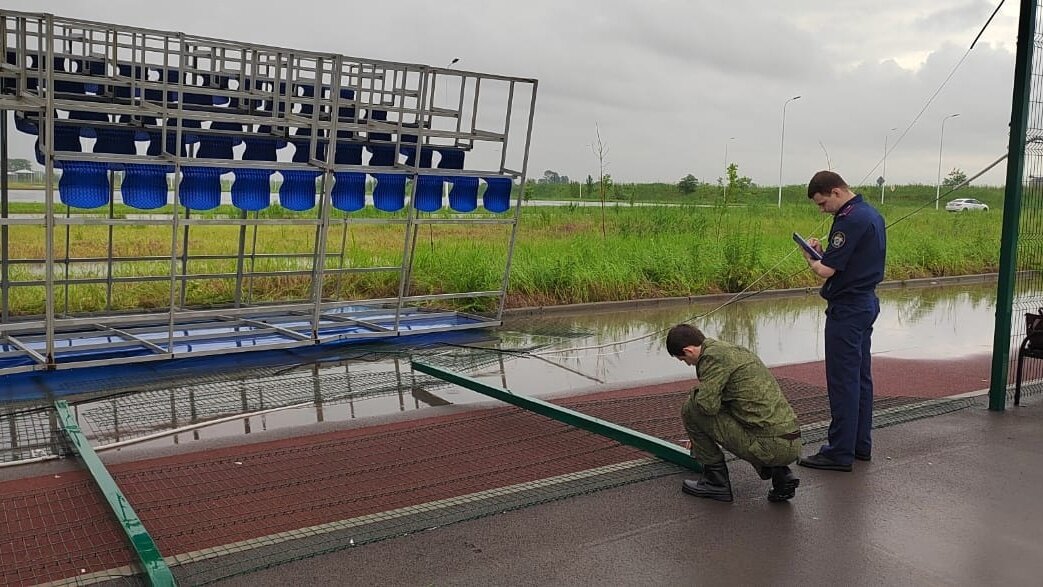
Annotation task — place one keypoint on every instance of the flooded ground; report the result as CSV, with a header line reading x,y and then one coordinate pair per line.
x,y
362,382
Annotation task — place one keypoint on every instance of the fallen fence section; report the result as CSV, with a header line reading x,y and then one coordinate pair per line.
x,y
155,568
657,447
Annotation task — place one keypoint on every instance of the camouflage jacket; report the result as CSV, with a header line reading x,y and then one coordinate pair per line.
x,y
735,380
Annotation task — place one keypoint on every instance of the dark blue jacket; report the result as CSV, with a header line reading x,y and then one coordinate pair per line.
x,y
856,250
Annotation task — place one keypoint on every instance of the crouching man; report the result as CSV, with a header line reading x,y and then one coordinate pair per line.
x,y
739,406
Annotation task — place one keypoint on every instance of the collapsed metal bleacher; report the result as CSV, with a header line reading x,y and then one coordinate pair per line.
x,y
168,116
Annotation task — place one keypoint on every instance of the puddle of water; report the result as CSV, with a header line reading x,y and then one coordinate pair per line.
x,y
921,323
915,323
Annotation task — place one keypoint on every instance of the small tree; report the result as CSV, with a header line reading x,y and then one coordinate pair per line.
x,y
19,165
688,184
738,185
955,178
590,185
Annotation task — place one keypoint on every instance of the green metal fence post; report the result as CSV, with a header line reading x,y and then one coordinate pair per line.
x,y
1012,205
658,447
155,567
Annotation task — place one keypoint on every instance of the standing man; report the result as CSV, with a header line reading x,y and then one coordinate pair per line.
x,y
852,265
738,405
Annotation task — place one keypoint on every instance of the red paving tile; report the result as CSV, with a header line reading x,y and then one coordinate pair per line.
x,y
211,498
896,377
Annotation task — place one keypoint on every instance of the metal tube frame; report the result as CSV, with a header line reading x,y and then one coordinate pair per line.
x,y
262,73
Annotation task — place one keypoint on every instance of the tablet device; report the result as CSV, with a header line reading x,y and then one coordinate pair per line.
x,y
804,245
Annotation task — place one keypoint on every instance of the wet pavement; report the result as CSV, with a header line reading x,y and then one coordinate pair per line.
x,y
312,475
951,500
223,507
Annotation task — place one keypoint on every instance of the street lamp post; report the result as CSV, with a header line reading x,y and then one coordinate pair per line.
x,y
938,185
782,143
725,182
883,172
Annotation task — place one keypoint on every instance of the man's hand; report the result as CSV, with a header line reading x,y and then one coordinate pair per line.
x,y
815,244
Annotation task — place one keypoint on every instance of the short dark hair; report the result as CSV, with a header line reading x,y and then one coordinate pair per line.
x,y
681,336
824,182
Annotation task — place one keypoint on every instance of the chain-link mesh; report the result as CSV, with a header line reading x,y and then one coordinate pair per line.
x,y
29,433
1028,282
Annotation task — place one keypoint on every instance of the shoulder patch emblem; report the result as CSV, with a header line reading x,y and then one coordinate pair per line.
x,y
837,240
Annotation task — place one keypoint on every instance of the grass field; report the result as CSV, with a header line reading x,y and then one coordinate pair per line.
x,y
693,248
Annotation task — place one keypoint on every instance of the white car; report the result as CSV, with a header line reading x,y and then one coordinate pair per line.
x,y
964,204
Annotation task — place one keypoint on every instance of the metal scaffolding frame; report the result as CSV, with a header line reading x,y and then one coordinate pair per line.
x,y
173,86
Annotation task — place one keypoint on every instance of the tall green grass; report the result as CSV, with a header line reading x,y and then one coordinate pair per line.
x,y
561,255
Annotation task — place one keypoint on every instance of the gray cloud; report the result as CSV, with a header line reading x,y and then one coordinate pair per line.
x,y
669,81
965,16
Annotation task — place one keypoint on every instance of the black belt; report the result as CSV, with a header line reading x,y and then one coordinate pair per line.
x,y
790,436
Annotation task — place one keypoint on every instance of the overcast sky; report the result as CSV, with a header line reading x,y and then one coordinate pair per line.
x,y
669,81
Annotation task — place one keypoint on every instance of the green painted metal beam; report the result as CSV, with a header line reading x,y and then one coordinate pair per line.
x,y
656,446
156,569
1019,112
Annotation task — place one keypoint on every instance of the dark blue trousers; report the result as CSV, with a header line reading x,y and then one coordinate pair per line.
x,y
849,380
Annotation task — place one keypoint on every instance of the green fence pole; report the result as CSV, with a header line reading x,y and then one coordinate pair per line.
x,y
1012,206
658,447
152,561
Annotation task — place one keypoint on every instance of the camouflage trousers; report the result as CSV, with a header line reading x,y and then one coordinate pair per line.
x,y
710,433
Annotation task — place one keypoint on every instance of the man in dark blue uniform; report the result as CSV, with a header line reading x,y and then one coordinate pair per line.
x,y
853,265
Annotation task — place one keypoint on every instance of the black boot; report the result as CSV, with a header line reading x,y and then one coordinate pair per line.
x,y
714,483
783,484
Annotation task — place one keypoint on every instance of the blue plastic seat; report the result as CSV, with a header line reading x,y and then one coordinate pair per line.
x,y
297,191
252,187
306,91
172,76
65,86
197,99
463,197
83,184
428,196
389,195
346,113
8,84
349,191
450,158
425,156
96,68
145,186
497,196
112,140
201,186
349,187
219,145
126,70
32,80
156,147
377,115
28,123
381,155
